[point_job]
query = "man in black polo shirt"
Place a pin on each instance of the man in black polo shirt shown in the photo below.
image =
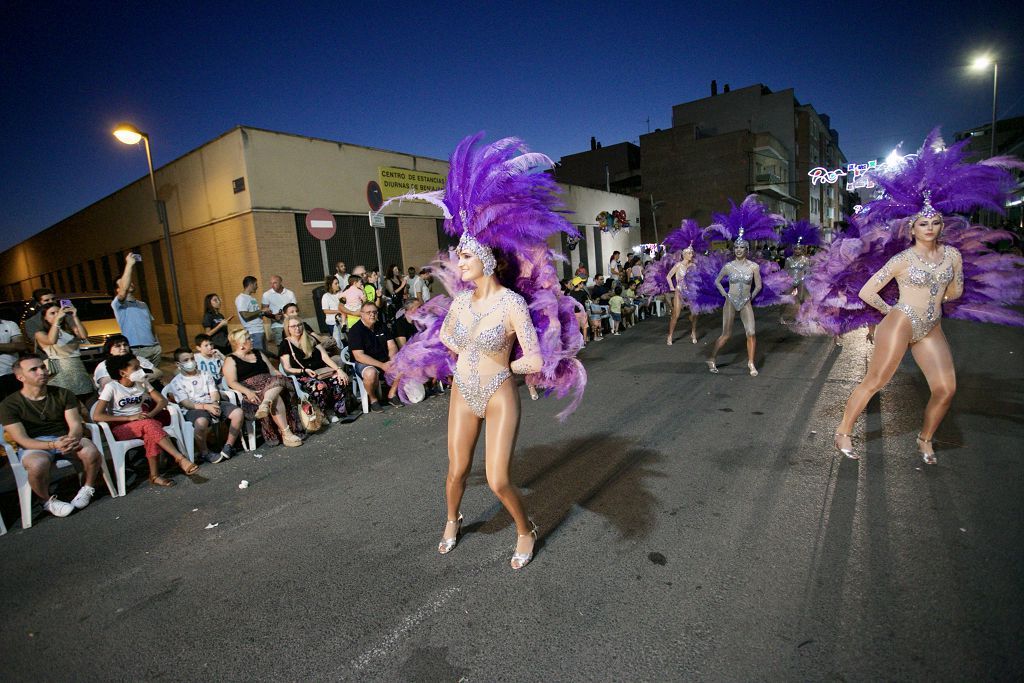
(45, 423)
(372, 350)
(600, 292)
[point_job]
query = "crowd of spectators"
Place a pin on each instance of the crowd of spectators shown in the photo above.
(232, 374)
(608, 305)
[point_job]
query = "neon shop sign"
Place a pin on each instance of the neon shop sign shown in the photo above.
(856, 174)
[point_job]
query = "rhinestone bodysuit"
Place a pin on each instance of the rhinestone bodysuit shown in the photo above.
(923, 287)
(797, 267)
(483, 342)
(739, 284)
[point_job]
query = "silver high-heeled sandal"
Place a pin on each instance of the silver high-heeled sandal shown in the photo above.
(848, 452)
(753, 370)
(520, 560)
(928, 458)
(446, 544)
(712, 367)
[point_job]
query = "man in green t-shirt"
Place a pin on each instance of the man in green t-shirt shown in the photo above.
(45, 423)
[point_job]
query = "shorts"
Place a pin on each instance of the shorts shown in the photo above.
(617, 317)
(226, 407)
(54, 453)
(362, 366)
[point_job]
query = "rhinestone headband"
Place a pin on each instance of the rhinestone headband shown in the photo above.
(740, 242)
(927, 211)
(468, 243)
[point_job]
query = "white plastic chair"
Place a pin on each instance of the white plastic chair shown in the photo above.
(21, 476)
(249, 431)
(118, 453)
(358, 389)
(186, 430)
(303, 396)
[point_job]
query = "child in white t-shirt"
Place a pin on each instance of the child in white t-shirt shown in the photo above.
(196, 392)
(208, 358)
(120, 405)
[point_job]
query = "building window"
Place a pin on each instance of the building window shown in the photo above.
(353, 243)
(81, 276)
(108, 276)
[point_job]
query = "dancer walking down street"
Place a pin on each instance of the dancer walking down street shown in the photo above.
(918, 201)
(508, 316)
(688, 238)
(748, 221)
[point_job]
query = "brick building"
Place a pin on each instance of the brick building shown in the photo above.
(237, 206)
(726, 146)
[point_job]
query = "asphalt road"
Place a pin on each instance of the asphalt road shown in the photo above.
(694, 527)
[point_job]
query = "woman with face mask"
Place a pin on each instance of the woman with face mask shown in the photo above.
(121, 405)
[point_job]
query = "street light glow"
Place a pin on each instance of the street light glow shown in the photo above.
(981, 63)
(128, 134)
(894, 159)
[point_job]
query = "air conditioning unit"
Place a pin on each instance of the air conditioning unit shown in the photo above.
(768, 179)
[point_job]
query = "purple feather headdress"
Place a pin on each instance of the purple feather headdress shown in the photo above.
(687, 236)
(937, 181)
(801, 233)
(748, 221)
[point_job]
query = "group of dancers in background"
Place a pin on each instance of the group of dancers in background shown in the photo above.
(508, 315)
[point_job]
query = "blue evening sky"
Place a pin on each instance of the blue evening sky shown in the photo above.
(417, 77)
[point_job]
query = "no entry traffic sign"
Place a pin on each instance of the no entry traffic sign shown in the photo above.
(321, 224)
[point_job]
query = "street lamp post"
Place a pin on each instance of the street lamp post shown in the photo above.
(654, 216)
(980, 64)
(130, 135)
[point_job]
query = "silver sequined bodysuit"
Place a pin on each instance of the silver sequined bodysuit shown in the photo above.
(483, 342)
(740, 280)
(923, 287)
(797, 267)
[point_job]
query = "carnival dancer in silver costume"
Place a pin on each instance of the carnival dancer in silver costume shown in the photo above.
(799, 237)
(744, 284)
(921, 197)
(508, 316)
(928, 273)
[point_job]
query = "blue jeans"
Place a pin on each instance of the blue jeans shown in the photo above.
(259, 341)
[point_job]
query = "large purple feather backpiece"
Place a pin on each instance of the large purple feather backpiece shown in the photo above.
(688, 234)
(655, 276)
(751, 215)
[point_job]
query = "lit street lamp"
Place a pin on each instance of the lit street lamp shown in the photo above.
(130, 135)
(980, 64)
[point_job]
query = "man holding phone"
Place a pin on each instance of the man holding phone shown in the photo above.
(133, 316)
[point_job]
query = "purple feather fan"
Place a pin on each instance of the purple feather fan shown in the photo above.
(688, 234)
(699, 284)
(750, 217)
(993, 282)
(776, 285)
(655, 276)
(833, 305)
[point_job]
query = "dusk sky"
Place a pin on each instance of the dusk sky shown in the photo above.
(418, 77)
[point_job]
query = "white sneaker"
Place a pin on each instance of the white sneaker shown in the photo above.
(58, 508)
(84, 496)
(335, 419)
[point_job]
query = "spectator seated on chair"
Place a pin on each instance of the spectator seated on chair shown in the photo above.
(372, 350)
(325, 340)
(317, 374)
(46, 424)
(12, 343)
(117, 345)
(196, 392)
(208, 357)
(120, 405)
(267, 395)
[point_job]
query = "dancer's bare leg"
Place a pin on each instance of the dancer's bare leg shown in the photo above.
(933, 356)
(892, 338)
(728, 315)
(500, 440)
(463, 430)
(693, 327)
(677, 306)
